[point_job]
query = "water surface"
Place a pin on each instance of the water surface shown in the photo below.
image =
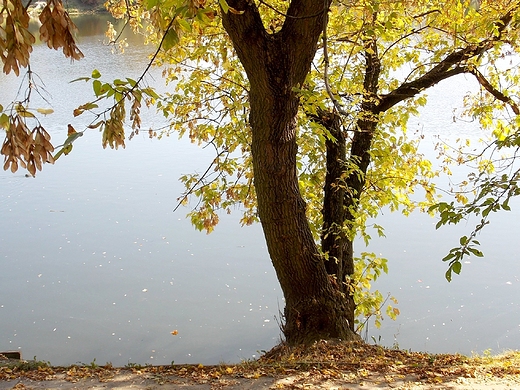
(95, 265)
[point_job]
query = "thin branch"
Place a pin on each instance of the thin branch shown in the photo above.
(493, 91)
(414, 31)
(201, 179)
(114, 41)
(141, 77)
(326, 68)
(426, 13)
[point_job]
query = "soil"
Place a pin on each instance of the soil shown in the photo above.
(324, 365)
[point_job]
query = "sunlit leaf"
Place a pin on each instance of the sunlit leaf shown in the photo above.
(224, 5)
(64, 150)
(4, 121)
(45, 111)
(81, 79)
(22, 111)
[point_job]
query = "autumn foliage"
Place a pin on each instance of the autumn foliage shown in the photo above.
(24, 146)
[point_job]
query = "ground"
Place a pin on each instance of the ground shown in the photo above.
(325, 365)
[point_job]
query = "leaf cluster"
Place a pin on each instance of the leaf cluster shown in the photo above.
(111, 120)
(23, 146)
(493, 195)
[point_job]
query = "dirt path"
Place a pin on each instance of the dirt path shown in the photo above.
(128, 380)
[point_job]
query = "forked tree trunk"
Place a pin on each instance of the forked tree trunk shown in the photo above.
(315, 308)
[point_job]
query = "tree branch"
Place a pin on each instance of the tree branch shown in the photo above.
(408, 90)
(493, 91)
(247, 33)
(335, 102)
(452, 64)
(295, 44)
(300, 33)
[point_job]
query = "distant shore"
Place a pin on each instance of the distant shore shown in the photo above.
(72, 7)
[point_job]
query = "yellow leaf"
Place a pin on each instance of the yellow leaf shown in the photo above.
(23, 112)
(45, 111)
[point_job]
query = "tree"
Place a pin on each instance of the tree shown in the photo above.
(299, 99)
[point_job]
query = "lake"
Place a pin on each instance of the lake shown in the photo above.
(94, 264)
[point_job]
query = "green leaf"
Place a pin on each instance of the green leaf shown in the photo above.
(96, 74)
(486, 211)
(65, 150)
(96, 85)
(224, 5)
(170, 39)
(184, 24)
(448, 275)
(149, 4)
(476, 252)
(107, 88)
(150, 92)
(22, 111)
(4, 121)
(449, 256)
(456, 267)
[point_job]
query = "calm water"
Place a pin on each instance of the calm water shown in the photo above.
(95, 265)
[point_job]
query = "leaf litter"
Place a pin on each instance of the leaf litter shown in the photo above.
(300, 367)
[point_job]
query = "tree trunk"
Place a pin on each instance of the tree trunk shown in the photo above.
(315, 308)
(335, 242)
(342, 191)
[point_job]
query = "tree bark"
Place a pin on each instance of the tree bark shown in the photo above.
(335, 242)
(345, 180)
(315, 308)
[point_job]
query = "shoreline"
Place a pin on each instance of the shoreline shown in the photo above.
(324, 365)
